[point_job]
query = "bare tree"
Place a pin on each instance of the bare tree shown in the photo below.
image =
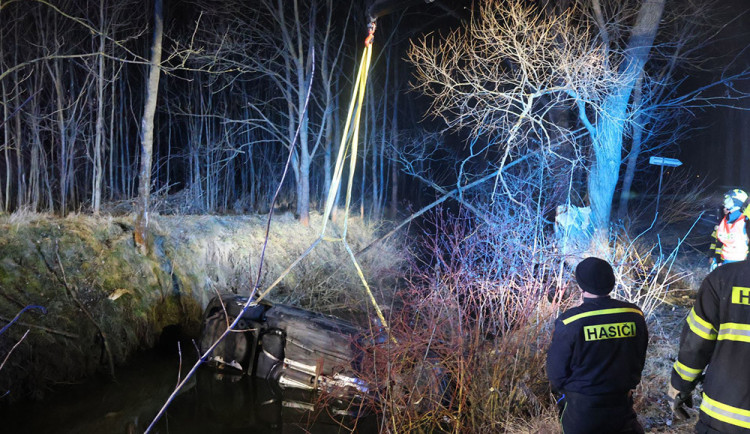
(658, 109)
(231, 108)
(271, 48)
(53, 71)
(607, 133)
(98, 175)
(513, 64)
(147, 129)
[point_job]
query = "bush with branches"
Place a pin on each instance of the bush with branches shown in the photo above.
(473, 322)
(469, 328)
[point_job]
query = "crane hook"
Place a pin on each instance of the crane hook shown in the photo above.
(370, 32)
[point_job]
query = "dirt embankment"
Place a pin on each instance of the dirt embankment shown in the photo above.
(104, 300)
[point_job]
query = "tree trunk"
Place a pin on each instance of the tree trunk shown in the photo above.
(6, 150)
(394, 146)
(327, 149)
(63, 161)
(147, 130)
(37, 152)
(303, 202)
(338, 133)
(96, 196)
(303, 190)
(332, 106)
(374, 166)
(111, 153)
(383, 142)
(609, 130)
(635, 151)
(303, 81)
(20, 175)
(122, 142)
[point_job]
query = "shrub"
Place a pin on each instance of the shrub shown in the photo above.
(470, 328)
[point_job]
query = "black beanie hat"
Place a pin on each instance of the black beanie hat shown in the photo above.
(595, 276)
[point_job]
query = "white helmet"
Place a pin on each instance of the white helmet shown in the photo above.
(734, 199)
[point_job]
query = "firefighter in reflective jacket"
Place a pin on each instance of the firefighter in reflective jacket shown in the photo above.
(730, 236)
(717, 335)
(596, 356)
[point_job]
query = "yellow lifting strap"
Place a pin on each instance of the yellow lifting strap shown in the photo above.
(352, 120)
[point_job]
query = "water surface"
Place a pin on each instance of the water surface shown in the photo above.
(211, 403)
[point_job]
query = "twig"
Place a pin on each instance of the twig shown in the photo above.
(17, 109)
(18, 315)
(72, 293)
(88, 314)
(46, 329)
(179, 368)
(14, 347)
(442, 199)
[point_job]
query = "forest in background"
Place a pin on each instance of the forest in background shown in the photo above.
(243, 84)
(231, 97)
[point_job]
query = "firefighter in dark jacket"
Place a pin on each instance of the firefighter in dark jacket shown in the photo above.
(596, 356)
(716, 338)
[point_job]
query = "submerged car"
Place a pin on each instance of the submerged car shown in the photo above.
(291, 347)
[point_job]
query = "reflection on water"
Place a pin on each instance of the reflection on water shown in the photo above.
(209, 404)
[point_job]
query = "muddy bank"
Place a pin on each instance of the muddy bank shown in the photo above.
(104, 300)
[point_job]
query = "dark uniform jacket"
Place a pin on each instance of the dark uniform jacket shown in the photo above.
(718, 332)
(598, 348)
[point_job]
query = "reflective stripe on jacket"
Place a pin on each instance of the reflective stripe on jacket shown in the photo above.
(716, 337)
(598, 348)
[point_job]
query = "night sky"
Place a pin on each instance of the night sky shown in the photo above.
(719, 149)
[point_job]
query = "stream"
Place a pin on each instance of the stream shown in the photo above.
(210, 403)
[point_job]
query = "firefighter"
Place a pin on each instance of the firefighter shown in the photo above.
(730, 236)
(596, 356)
(717, 335)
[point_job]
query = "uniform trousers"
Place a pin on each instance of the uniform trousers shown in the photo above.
(597, 414)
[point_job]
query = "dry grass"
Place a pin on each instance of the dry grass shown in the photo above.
(547, 422)
(224, 254)
(645, 275)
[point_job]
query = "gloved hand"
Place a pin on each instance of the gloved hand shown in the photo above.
(678, 401)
